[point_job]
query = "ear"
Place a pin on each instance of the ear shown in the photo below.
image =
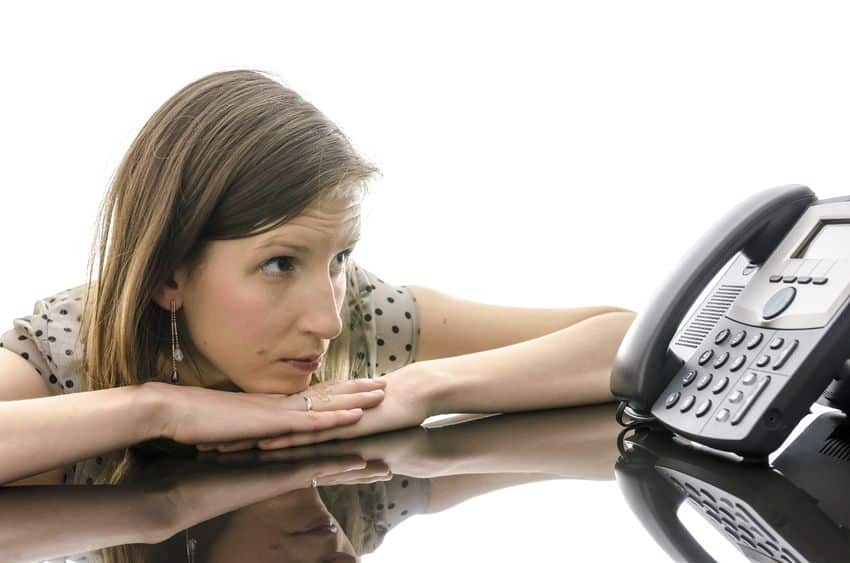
(173, 288)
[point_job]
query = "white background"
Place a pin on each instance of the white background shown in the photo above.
(533, 154)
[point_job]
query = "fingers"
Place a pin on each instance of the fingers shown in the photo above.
(298, 439)
(364, 400)
(357, 385)
(236, 446)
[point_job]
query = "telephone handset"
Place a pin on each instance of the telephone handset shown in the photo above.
(795, 511)
(764, 343)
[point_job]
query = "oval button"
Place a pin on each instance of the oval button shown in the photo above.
(779, 302)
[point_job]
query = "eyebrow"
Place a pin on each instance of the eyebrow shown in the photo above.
(282, 240)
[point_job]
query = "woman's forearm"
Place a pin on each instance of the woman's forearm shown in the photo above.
(48, 432)
(568, 367)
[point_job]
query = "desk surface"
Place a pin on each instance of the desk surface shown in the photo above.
(543, 486)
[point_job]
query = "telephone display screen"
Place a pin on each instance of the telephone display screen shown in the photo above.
(832, 240)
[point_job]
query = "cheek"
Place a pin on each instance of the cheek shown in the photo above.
(235, 323)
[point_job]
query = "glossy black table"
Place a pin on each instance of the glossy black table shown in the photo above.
(556, 485)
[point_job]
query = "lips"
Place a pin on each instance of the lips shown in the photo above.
(322, 523)
(310, 358)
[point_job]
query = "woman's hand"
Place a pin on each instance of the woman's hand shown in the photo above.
(196, 415)
(407, 402)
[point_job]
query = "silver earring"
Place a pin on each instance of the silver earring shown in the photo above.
(176, 353)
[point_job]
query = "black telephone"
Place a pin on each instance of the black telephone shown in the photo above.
(767, 340)
(797, 510)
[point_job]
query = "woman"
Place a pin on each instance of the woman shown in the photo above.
(223, 256)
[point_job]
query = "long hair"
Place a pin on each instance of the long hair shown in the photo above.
(232, 154)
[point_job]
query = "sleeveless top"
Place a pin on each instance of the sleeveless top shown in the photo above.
(48, 340)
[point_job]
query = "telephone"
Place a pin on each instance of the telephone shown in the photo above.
(795, 511)
(766, 341)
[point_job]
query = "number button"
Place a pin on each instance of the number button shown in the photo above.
(722, 336)
(704, 381)
(687, 403)
(689, 377)
(721, 359)
(763, 361)
(703, 407)
(705, 356)
(720, 385)
(738, 363)
(777, 343)
(755, 341)
(738, 338)
(672, 399)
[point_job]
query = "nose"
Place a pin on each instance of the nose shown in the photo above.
(320, 307)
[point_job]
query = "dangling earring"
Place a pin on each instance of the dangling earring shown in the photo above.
(176, 353)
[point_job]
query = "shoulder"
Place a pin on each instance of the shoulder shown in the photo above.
(391, 319)
(48, 338)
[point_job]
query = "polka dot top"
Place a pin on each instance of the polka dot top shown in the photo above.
(48, 339)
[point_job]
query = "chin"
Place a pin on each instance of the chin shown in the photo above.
(278, 385)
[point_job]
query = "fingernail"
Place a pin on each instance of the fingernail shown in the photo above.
(356, 411)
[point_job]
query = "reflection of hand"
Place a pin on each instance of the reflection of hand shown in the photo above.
(573, 442)
(165, 497)
(195, 492)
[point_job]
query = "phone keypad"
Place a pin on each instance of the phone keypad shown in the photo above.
(737, 368)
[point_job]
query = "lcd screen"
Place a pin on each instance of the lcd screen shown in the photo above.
(832, 241)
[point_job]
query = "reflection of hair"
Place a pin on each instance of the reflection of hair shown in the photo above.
(344, 502)
(230, 155)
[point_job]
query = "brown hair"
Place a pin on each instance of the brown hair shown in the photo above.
(232, 154)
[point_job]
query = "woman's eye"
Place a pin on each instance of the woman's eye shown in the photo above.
(285, 262)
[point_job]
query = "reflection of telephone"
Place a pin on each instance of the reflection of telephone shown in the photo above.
(767, 339)
(799, 513)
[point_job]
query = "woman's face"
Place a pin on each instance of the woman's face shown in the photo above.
(258, 300)
(268, 531)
